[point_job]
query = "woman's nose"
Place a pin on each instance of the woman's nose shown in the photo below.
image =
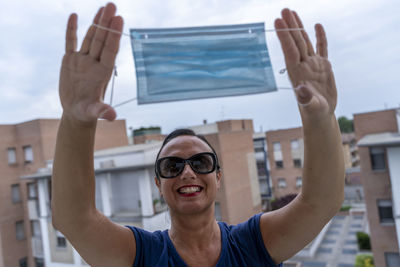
(187, 172)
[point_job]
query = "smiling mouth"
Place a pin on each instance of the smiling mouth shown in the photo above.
(189, 189)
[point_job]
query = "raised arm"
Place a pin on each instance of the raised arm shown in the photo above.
(287, 230)
(83, 79)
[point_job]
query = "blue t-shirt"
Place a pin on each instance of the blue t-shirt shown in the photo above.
(242, 245)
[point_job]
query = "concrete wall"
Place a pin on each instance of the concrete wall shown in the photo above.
(394, 169)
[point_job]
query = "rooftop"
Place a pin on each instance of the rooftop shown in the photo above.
(380, 139)
(127, 149)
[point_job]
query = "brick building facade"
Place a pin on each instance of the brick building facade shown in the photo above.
(25, 149)
(286, 156)
(378, 139)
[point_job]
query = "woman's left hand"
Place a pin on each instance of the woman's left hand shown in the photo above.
(310, 72)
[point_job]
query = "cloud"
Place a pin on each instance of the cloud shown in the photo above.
(363, 46)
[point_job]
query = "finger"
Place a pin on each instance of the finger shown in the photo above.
(288, 44)
(310, 48)
(111, 46)
(102, 110)
(70, 36)
(100, 35)
(90, 33)
(290, 20)
(322, 43)
(109, 115)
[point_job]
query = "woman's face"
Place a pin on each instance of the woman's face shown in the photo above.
(189, 192)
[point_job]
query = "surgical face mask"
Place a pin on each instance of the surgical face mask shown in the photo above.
(201, 62)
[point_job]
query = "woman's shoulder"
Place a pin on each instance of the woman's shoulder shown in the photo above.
(152, 248)
(243, 243)
(252, 224)
(144, 235)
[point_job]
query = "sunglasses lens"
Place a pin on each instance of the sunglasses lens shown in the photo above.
(171, 167)
(203, 163)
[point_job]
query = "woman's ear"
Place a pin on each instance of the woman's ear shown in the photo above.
(219, 176)
(158, 184)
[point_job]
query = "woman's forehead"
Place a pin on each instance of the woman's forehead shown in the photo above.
(185, 146)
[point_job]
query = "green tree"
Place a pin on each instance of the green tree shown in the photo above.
(363, 241)
(364, 260)
(346, 125)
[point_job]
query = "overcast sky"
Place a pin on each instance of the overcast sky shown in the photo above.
(364, 48)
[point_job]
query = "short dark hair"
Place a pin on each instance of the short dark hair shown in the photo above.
(182, 132)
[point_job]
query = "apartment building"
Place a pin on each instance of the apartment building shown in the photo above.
(378, 139)
(25, 149)
(239, 196)
(350, 150)
(126, 193)
(147, 135)
(286, 157)
(263, 167)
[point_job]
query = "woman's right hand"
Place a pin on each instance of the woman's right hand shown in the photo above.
(86, 73)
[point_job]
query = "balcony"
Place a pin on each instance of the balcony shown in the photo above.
(33, 209)
(37, 247)
(260, 156)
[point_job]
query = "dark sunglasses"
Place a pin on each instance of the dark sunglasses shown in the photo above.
(202, 163)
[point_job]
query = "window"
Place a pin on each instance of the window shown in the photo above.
(61, 241)
(294, 144)
(279, 164)
(19, 230)
(392, 259)
(281, 182)
(49, 189)
(39, 262)
(15, 193)
(261, 168)
(299, 182)
(12, 155)
(32, 191)
(23, 262)
(35, 225)
(378, 161)
(259, 149)
(217, 211)
(297, 163)
(277, 146)
(385, 211)
(28, 154)
(258, 143)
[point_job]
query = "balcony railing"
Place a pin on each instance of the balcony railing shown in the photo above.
(33, 209)
(37, 247)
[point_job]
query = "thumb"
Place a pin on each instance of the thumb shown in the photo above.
(103, 111)
(304, 95)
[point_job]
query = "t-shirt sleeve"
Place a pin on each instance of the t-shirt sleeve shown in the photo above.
(248, 235)
(149, 247)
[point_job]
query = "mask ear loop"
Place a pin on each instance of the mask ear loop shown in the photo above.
(282, 71)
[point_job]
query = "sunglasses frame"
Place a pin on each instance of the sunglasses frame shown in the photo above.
(187, 161)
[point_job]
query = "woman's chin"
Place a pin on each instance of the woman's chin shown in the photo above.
(192, 209)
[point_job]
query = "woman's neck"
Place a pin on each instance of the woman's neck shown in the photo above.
(194, 231)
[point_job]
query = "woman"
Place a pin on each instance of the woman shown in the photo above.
(188, 175)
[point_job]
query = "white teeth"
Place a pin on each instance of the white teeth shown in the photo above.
(189, 190)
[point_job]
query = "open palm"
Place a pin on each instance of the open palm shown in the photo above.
(310, 72)
(85, 73)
